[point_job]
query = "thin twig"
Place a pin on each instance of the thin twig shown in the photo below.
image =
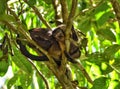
(13, 13)
(40, 74)
(84, 72)
(39, 15)
(91, 2)
(90, 9)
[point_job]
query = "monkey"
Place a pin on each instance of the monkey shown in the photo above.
(58, 34)
(45, 39)
(52, 41)
(42, 37)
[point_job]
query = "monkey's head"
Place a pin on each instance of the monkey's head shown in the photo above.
(58, 34)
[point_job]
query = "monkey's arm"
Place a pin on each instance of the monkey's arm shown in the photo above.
(25, 52)
(69, 58)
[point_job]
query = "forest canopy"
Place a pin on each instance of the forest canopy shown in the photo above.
(92, 27)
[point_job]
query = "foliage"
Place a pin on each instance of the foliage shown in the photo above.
(97, 19)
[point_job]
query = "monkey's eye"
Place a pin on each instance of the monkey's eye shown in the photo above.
(59, 36)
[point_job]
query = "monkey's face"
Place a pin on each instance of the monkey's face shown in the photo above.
(58, 34)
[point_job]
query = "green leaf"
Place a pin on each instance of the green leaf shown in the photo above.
(95, 58)
(25, 80)
(118, 86)
(48, 1)
(3, 67)
(106, 34)
(21, 61)
(12, 81)
(116, 65)
(22, 78)
(7, 18)
(3, 4)
(20, 87)
(106, 70)
(40, 82)
(105, 17)
(31, 2)
(111, 50)
(103, 7)
(100, 83)
(85, 25)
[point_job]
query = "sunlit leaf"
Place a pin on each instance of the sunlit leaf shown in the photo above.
(106, 34)
(12, 81)
(100, 83)
(7, 18)
(21, 61)
(111, 50)
(95, 58)
(3, 67)
(116, 65)
(85, 25)
(118, 86)
(25, 80)
(41, 83)
(105, 17)
(103, 7)
(106, 70)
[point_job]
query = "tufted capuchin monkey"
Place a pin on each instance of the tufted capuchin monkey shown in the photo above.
(52, 41)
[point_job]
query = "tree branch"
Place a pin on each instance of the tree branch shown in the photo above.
(57, 11)
(90, 9)
(68, 30)
(64, 10)
(13, 13)
(39, 15)
(116, 7)
(70, 23)
(84, 72)
(40, 74)
(62, 78)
